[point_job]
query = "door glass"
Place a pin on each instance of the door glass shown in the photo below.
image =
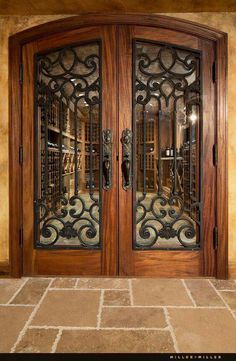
(67, 147)
(167, 142)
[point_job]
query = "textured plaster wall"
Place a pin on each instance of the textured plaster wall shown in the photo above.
(12, 24)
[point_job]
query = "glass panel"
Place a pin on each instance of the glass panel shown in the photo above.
(67, 147)
(167, 119)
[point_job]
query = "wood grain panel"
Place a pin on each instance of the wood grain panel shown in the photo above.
(209, 171)
(126, 265)
(168, 264)
(167, 36)
(109, 121)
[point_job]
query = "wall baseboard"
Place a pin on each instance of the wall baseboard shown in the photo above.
(232, 270)
(4, 269)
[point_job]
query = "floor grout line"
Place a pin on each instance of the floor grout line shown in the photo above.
(167, 306)
(171, 330)
(86, 289)
(18, 291)
(95, 328)
(131, 293)
(56, 341)
(227, 290)
(99, 315)
(189, 292)
(222, 298)
(76, 283)
(17, 305)
(31, 317)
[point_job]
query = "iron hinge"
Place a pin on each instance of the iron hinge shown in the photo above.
(214, 72)
(21, 74)
(21, 154)
(215, 154)
(21, 237)
(215, 238)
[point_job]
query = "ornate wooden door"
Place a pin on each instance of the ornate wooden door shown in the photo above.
(167, 192)
(119, 133)
(69, 173)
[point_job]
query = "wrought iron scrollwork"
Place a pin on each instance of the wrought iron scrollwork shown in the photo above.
(126, 165)
(167, 83)
(67, 81)
(107, 158)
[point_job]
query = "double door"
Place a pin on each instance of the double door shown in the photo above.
(118, 132)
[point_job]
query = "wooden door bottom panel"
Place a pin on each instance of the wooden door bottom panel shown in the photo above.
(167, 263)
(69, 262)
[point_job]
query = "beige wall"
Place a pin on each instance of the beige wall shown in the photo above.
(10, 25)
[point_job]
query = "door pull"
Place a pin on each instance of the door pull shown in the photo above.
(126, 165)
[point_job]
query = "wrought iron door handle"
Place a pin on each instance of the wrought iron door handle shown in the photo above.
(126, 173)
(107, 173)
(126, 165)
(107, 158)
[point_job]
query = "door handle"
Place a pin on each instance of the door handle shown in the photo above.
(107, 158)
(126, 165)
(107, 173)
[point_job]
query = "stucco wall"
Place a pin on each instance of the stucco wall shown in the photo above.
(10, 25)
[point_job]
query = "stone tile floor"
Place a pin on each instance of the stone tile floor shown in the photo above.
(117, 315)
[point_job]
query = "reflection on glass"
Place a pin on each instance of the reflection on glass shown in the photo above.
(67, 151)
(167, 147)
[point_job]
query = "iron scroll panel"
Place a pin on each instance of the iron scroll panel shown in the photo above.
(67, 166)
(167, 120)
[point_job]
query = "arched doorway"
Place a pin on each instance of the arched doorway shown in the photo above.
(122, 117)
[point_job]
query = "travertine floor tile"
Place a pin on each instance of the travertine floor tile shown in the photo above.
(204, 330)
(12, 320)
(68, 308)
(116, 298)
(8, 287)
(165, 292)
(230, 299)
(35, 341)
(203, 293)
(115, 341)
(32, 291)
(133, 317)
(224, 284)
(64, 282)
(103, 283)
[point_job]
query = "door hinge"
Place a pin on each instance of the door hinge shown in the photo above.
(21, 237)
(21, 154)
(21, 73)
(215, 154)
(214, 72)
(215, 238)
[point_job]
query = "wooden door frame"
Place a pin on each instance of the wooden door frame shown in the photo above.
(16, 43)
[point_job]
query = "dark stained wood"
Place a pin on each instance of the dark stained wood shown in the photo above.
(151, 20)
(71, 263)
(167, 264)
(109, 121)
(141, 19)
(126, 266)
(209, 171)
(222, 166)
